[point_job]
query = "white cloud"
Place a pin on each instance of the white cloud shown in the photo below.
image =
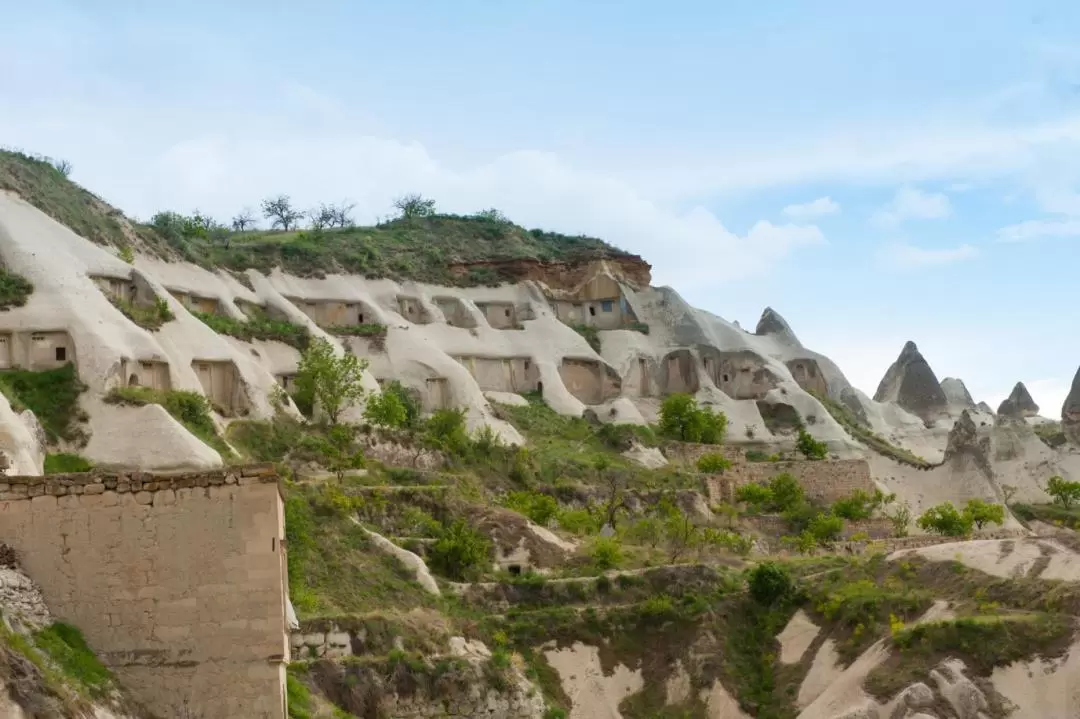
(1033, 229)
(817, 208)
(907, 257)
(912, 203)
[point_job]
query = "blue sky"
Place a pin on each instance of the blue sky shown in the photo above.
(876, 174)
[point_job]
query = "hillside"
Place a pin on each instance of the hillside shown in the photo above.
(518, 481)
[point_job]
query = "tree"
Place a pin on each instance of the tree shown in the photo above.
(244, 220)
(786, 492)
(1064, 492)
(386, 410)
(771, 583)
(329, 381)
(810, 447)
(492, 215)
(342, 214)
(414, 205)
(682, 419)
(460, 552)
(900, 519)
(1008, 491)
(62, 166)
(321, 217)
(713, 463)
(982, 513)
(605, 553)
(681, 535)
(338, 451)
(445, 431)
(753, 494)
(826, 528)
(946, 520)
(281, 213)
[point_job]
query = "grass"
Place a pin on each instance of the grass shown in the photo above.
(1050, 433)
(258, 327)
(864, 434)
(365, 330)
(65, 646)
(333, 569)
(53, 397)
(981, 642)
(150, 317)
(188, 408)
(591, 335)
(66, 463)
(297, 697)
(14, 290)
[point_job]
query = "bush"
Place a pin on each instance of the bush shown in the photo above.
(258, 327)
(771, 583)
(713, 463)
(946, 520)
(786, 492)
(149, 317)
(810, 447)
(66, 463)
(1064, 492)
(605, 553)
(826, 528)
(332, 382)
(682, 419)
(445, 430)
(53, 397)
(14, 290)
(591, 335)
(755, 495)
(460, 552)
(538, 507)
(860, 504)
(386, 410)
(982, 513)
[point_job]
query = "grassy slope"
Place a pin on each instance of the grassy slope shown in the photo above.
(418, 249)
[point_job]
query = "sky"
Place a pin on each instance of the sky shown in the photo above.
(875, 172)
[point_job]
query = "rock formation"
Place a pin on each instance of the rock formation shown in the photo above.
(771, 323)
(910, 383)
(1070, 412)
(984, 407)
(1018, 404)
(957, 394)
(964, 441)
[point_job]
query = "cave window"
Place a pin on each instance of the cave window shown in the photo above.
(726, 378)
(527, 364)
(592, 310)
(540, 387)
(360, 318)
(506, 312)
(606, 305)
(514, 569)
(133, 380)
(61, 354)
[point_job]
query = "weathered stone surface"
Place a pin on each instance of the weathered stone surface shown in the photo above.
(1019, 403)
(956, 393)
(1070, 412)
(984, 407)
(910, 383)
(771, 323)
(965, 444)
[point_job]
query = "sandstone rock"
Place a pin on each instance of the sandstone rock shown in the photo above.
(771, 323)
(957, 394)
(910, 383)
(964, 442)
(1018, 404)
(984, 407)
(1070, 412)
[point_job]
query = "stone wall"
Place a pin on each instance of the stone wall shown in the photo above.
(775, 526)
(824, 480)
(177, 582)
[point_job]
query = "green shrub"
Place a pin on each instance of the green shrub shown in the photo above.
(408, 399)
(1064, 492)
(258, 327)
(786, 492)
(14, 290)
(460, 552)
(810, 447)
(578, 521)
(64, 644)
(53, 397)
(538, 507)
(445, 430)
(591, 335)
(386, 410)
(771, 583)
(982, 513)
(713, 463)
(755, 495)
(861, 504)
(681, 418)
(150, 317)
(605, 553)
(66, 463)
(946, 520)
(332, 381)
(826, 528)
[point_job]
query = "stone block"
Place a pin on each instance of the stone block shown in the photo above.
(94, 489)
(144, 498)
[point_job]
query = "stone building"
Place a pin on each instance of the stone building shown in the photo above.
(500, 315)
(502, 374)
(36, 350)
(336, 313)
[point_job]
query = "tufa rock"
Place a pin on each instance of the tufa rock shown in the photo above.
(1070, 412)
(910, 383)
(957, 394)
(771, 323)
(1018, 404)
(984, 407)
(964, 442)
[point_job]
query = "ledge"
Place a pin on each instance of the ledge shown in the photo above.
(99, 482)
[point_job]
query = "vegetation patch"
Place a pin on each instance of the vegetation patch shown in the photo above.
(1051, 434)
(65, 646)
(258, 327)
(150, 317)
(188, 408)
(591, 335)
(66, 463)
(982, 643)
(53, 397)
(864, 434)
(14, 289)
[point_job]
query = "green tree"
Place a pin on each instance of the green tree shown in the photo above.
(1064, 492)
(946, 520)
(900, 517)
(386, 410)
(338, 450)
(713, 463)
(861, 504)
(605, 553)
(771, 583)
(329, 381)
(786, 492)
(682, 419)
(826, 528)
(414, 205)
(982, 513)
(460, 552)
(810, 447)
(540, 508)
(445, 430)
(756, 496)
